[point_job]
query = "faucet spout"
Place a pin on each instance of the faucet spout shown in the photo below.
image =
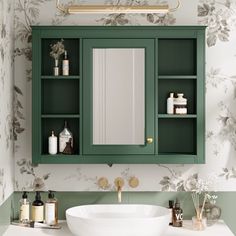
(119, 190)
(119, 183)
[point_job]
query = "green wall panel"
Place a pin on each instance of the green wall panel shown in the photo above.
(6, 214)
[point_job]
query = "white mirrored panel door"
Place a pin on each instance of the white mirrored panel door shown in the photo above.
(119, 96)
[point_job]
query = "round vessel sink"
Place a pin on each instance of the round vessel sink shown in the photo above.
(118, 220)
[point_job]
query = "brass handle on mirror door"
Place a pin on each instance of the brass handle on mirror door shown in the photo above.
(149, 140)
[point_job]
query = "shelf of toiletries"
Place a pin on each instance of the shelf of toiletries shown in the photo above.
(60, 98)
(60, 136)
(183, 90)
(38, 212)
(60, 57)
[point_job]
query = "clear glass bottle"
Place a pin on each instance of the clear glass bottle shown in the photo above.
(51, 209)
(65, 64)
(24, 208)
(171, 206)
(64, 137)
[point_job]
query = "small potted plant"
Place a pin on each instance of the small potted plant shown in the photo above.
(57, 50)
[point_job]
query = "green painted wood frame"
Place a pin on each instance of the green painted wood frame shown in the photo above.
(88, 146)
(127, 32)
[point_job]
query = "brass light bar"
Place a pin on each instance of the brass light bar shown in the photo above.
(108, 9)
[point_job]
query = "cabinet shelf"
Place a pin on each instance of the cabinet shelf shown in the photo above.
(60, 116)
(168, 116)
(60, 77)
(177, 77)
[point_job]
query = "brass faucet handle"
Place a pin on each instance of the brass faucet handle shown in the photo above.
(119, 182)
(103, 183)
(133, 182)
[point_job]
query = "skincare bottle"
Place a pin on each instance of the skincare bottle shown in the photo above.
(180, 104)
(171, 205)
(177, 215)
(65, 64)
(170, 104)
(37, 214)
(52, 144)
(64, 137)
(51, 209)
(24, 208)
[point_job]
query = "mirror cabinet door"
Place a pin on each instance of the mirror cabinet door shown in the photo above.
(118, 96)
(118, 79)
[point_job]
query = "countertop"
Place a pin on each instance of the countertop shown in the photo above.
(218, 229)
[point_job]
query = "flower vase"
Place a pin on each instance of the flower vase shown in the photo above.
(56, 68)
(199, 223)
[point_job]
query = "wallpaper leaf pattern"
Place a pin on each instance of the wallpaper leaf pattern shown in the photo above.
(219, 16)
(6, 107)
(38, 183)
(125, 19)
(18, 115)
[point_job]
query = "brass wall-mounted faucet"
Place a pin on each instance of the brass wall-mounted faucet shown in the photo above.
(119, 183)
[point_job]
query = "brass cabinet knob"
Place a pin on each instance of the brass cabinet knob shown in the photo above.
(149, 140)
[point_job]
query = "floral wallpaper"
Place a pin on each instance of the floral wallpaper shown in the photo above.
(6, 98)
(219, 16)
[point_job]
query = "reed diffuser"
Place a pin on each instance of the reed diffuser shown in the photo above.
(199, 191)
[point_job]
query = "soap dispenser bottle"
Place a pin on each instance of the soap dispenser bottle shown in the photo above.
(177, 215)
(170, 104)
(51, 209)
(171, 205)
(38, 209)
(24, 208)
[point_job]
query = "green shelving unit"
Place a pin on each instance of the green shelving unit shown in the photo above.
(176, 62)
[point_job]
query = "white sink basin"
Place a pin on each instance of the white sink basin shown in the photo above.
(117, 220)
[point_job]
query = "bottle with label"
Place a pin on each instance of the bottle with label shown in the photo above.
(64, 137)
(171, 205)
(170, 104)
(24, 209)
(180, 104)
(37, 214)
(177, 215)
(51, 209)
(65, 64)
(52, 144)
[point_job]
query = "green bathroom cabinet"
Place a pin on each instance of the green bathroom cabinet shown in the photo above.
(174, 62)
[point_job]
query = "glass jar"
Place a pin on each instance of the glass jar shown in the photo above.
(180, 104)
(199, 224)
(212, 213)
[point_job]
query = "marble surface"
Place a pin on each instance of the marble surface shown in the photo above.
(218, 229)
